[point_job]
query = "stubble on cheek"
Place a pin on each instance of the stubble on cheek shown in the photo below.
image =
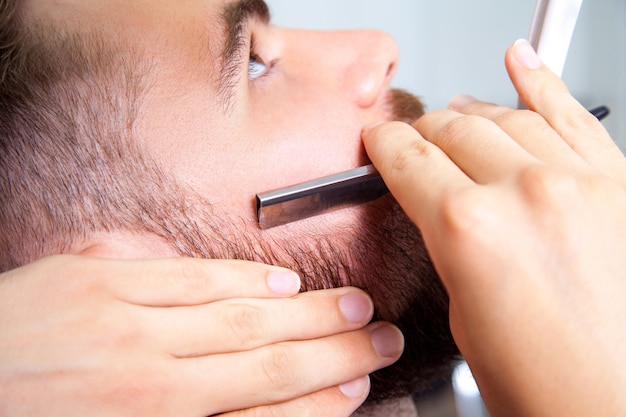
(404, 106)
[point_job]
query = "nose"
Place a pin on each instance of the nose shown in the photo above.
(371, 63)
(359, 62)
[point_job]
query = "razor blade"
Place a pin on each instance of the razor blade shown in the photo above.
(323, 195)
(327, 194)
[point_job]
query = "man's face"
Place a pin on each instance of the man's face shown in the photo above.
(282, 106)
(235, 106)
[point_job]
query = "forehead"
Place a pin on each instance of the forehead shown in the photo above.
(185, 41)
(139, 11)
(154, 20)
(101, 14)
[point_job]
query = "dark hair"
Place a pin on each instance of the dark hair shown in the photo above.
(68, 104)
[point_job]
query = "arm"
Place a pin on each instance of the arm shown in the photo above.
(523, 213)
(179, 337)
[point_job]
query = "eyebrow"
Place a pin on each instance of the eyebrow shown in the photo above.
(235, 17)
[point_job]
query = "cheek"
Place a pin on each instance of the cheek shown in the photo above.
(283, 136)
(303, 134)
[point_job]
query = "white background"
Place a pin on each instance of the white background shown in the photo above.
(449, 47)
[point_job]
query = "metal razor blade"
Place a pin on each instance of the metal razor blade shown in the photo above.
(323, 195)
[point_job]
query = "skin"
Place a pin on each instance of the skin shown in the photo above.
(221, 146)
(192, 137)
(451, 234)
(155, 352)
(468, 205)
(523, 213)
(328, 93)
(222, 141)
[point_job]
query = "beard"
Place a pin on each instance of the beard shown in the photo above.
(381, 252)
(115, 186)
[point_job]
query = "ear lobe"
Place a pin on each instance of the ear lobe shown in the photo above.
(123, 245)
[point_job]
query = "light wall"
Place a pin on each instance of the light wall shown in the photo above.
(457, 46)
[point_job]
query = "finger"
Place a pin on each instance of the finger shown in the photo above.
(542, 91)
(186, 281)
(282, 372)
(527, 128)
(337, 401)
(244, 324)
(477, 145)
(417, 173)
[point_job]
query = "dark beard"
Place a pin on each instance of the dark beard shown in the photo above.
(382, 253)
(385, 256)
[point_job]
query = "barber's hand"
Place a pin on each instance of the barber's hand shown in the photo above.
(524, 215)
(182, 337)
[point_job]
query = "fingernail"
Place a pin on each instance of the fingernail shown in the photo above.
(460, 101)
(526, 55)
(283, 282)
(356, 307)
(387, 339)
(357, 388)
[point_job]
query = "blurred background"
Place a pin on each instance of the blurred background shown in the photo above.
(448, 47)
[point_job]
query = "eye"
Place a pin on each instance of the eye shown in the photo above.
(256, 67)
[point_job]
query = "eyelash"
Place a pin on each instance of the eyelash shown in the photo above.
(254, 73)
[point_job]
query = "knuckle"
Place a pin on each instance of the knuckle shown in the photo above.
(185, 268)
(586, 124)
(429, 118)
(405, 160)
(599, 185)
(247, 325)
(189, 274)
(115, 333)
(527, 128)
(411, 147)
(464, 210)
(513, 118)
(545, 186)
(138, 393)
(457, 128)
(278, 370)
